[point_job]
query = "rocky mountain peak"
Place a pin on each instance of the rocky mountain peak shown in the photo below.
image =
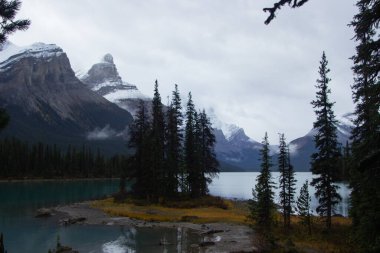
(104, 79)
(102, 74)
(11, 53)
(108, 58)
(46, 101)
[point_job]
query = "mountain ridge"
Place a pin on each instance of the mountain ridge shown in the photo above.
(46, 101)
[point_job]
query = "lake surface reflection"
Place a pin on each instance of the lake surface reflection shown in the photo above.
(239, 185)
(24, 233)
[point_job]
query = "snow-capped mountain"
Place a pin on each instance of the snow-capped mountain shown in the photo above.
(46, 102)
(104, 79)
(235, 148)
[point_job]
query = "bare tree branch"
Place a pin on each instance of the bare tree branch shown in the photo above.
(279, 4)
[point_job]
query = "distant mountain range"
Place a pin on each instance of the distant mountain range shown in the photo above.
(48, 103)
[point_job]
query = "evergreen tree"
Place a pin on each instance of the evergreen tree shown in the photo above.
(365, 176)
(2, 250)
(8, 11)
(303, 206)
(262, 206)
(291, 188)
(325, 161)
(157, 144)
(287, 181)
(139, 133)
(4, 118)
(174, 141)
(190, 150)
(283, 169)
(206, 142)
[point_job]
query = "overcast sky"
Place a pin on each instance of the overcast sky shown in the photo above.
(258, 77)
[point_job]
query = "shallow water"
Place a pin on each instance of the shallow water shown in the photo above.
(24, 233)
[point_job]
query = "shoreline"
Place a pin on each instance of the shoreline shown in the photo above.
(18, 180)
(219, 236)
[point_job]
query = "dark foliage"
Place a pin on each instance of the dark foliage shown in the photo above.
(303, 206)
(166, 163)
(287, 181)
(262, 206)
(4, 118)
(2, 249)
(189, 145)
(157, 140)
(174, 149)
(325, 161)
(365, 173)
(8, 11)
(139, 140)
(277, 6)
(21, 160)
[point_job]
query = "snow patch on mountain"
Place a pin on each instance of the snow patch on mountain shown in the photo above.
(229, 130)
(129, 92)
(10, 52)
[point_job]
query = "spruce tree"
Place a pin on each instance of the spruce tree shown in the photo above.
(303, 206)
(4, 118)
(157, 144)
(262, 206)
(206, 142)
(190, 150)
(139, 140)
(174, 141)
(365, 176)
(8, 11)
(2, 250)
(283, 169)
(291, 188)
(287, 181)
(326, 159)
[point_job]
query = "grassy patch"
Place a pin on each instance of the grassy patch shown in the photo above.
(213, 209)
(204, 210)
(335, 241)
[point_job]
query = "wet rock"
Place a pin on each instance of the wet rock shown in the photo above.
(212, 231)
(71, 221)
(44, 212)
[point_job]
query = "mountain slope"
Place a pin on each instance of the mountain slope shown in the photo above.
(104, 79)
(46, 102)
(237, 149)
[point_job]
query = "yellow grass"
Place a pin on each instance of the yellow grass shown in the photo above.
(235, 213)
(338, 240)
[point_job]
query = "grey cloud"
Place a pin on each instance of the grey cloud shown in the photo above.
(101, 133)
(256, 76)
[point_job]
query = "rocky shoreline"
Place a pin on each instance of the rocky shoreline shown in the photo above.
(215, 237)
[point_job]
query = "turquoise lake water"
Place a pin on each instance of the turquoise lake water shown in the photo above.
(24, 233)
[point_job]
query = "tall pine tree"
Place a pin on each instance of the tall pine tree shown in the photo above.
(206, 142)
(139, 140)
(262, 207)
(287, 181)
(365, 176)
(158, 143)
(174, 136)
(326, 159)
(190, 153)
